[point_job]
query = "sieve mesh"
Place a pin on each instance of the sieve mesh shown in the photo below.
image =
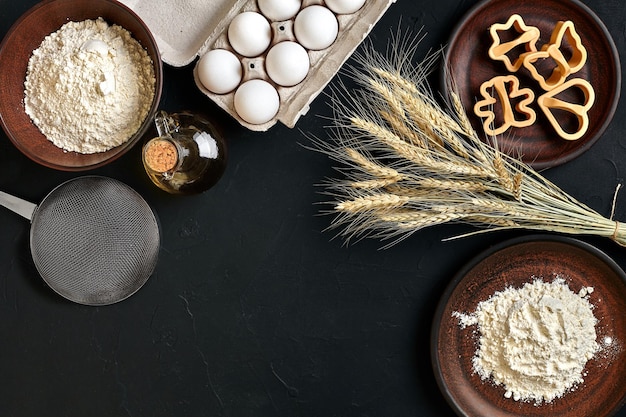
(94, 240)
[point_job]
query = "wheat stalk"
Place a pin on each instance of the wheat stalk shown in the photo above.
(410, 162)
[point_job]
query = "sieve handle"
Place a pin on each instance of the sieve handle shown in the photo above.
(24, 208)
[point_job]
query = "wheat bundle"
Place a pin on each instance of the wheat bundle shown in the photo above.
(409, 162)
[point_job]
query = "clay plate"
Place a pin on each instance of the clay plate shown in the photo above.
(514, 263)
(538, 145)
(23, 37)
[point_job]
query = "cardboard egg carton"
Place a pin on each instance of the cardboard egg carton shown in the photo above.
(187, 29)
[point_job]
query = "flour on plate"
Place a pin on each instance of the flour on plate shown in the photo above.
(534, 341)
(89, 86)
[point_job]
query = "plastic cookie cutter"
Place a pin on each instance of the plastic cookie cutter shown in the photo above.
(528, 36)
(548, 101)
(555, 51)
(500, 90)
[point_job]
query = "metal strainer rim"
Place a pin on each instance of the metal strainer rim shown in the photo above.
(138, 281)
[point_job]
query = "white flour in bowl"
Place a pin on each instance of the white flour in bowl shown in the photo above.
(534, 341)
(89, 86)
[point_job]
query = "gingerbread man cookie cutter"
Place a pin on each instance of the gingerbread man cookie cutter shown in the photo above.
(502, 89)
(528, 36)
(554, 50)
(549, 101)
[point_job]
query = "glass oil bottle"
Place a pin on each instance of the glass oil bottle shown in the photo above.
(188, 155)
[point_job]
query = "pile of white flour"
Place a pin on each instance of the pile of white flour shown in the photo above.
(89, 86)
(535, 340)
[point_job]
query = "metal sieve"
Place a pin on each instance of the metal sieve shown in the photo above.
(93, 239)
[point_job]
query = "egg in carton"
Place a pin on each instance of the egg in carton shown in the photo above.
(262, 61)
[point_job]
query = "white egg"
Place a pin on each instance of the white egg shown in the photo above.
(256, 101)
(278, 10)
(219, 71)
(344, 6)
(287, 63)
(250, 34)
(316, 27)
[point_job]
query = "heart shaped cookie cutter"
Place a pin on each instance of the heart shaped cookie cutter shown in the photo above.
(549, 101)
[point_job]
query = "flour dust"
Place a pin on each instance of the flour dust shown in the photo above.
(535, 341)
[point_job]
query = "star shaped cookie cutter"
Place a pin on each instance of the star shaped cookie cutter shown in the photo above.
(528, 36)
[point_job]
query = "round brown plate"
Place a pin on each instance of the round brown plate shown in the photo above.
(514, 263)
(26, 35)
(469, 64)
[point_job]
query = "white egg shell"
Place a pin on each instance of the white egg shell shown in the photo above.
(256, 101)
(316, 27)
(219, 71)
(287, 63)
(344, 6)
(278, 10)
(249, 34)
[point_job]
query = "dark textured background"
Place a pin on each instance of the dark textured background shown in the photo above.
(254, 310)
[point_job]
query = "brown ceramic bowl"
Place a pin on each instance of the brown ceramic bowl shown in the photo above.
(514, 263)
(26, 35)
(539, 145)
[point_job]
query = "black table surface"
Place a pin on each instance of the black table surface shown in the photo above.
(254, 308)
